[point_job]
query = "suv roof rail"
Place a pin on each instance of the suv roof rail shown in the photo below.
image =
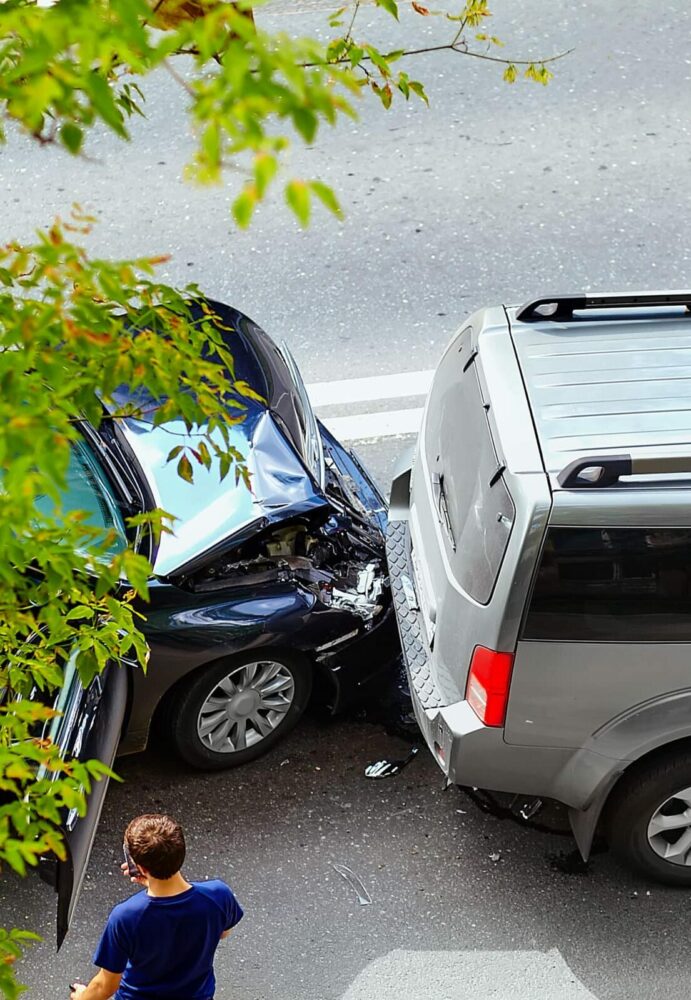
(599, 471)
(563, 306)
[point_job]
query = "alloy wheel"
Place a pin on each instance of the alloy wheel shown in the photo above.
(246, 706)
(669, 830)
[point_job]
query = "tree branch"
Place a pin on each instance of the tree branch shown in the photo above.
(482, 55)
(178, 79)
(349, 32)
(453, 47)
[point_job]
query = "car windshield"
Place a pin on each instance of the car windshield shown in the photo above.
(314, 452)
(88, 490)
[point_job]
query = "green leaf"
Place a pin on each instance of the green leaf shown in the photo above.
(510, 73)
(390, 6)
(80, 612)
(265, 167)
(243, 208)
(327, 197)
(210, 154)
(306, 123)
(137, 569)
(185, 469)
(417, 88)
(87, 667)
(383, 93)
(379, 60)
(298, 198)
(104, 103)
(355, 55)
(204, 455)
(335, 17)
(22, 935)
(336, 49)
(71, 137)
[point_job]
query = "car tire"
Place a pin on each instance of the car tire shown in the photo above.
(199, 708)
(642, 806)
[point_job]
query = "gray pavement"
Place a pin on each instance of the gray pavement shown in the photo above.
(495, 193)
(445, 920)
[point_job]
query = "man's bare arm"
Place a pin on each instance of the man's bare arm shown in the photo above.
(104, 985)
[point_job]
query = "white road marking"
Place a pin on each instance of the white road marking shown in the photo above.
(457, 975)
(372, 388)
(361, 390)
(366, 426)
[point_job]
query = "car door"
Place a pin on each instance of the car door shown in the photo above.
(89, 727)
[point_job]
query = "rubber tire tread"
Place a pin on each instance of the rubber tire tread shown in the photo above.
(184, 711)
(630, 809)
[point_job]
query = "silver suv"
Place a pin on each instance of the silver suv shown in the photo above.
(540, 553)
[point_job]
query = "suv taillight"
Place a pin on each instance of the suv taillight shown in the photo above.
(487, 690)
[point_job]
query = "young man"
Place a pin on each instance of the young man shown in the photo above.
(160, 943)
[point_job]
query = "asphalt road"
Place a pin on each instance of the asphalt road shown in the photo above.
(493, 194)
(446, 920)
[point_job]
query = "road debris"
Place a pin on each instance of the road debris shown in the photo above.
(387, 768)
(530, 808)
(355, 883)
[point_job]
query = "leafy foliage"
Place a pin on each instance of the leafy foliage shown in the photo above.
(66, 67)
(73, 329)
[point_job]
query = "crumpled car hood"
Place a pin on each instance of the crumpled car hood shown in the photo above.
(212, 514)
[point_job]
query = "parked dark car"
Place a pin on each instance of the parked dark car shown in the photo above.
(257, 598)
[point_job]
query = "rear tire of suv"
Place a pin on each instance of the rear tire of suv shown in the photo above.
(647, 820)
(236, 709)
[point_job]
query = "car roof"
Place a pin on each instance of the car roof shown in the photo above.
(605, 382)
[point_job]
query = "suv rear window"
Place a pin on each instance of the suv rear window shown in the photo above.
(474, 506)
(613, 585)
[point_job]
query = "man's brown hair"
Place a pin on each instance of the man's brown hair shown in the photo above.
(157, 843)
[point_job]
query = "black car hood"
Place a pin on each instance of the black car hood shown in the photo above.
(211, 513)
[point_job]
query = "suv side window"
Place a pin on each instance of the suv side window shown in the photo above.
(612, 585)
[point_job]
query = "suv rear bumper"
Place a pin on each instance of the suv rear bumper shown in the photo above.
(468, 752)
(433, 718)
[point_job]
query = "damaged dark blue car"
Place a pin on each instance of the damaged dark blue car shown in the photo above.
(259, 600)
(259, 596)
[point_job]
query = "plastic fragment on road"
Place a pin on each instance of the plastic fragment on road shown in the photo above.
(355, 883)
(495, 857)
(530, 808)
(387, 768)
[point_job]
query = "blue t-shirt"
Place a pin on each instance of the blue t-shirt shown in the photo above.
(165, 945)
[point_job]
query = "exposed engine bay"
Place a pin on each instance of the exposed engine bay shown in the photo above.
(340, 559)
